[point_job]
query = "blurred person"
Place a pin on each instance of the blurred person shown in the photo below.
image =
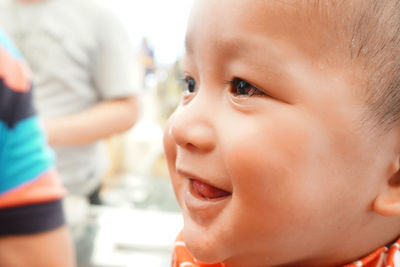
(84, 77)
(32, 225)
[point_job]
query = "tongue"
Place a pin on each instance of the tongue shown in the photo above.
(208, 191)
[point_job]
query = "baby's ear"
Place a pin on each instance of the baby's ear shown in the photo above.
(387, 203)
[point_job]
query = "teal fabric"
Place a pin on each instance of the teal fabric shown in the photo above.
(24, 155)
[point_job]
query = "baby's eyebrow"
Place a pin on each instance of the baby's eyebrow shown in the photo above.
(228, 44)
(188, 44)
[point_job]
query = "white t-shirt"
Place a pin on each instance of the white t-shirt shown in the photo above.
(80, 55)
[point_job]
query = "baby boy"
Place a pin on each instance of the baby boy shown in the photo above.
(285, 149)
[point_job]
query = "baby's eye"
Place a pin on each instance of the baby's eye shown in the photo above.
(243, 88)
(190, 84)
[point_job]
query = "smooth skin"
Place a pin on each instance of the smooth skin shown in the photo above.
(98, 122)
(311, 183)
(48, 249)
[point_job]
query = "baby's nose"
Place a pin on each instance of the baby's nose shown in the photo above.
(192, 130)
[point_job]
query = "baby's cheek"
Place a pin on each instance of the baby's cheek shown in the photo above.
(170, 155)
(270, 172)
(169, 145)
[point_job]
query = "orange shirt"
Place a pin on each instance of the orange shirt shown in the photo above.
(382, 257)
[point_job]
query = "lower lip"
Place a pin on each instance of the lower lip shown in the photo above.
(201, 206)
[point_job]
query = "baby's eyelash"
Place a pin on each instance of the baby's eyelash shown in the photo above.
(188, 83)
(240, 87)
(237, 87)
(182, 80)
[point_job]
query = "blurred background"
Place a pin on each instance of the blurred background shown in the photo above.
(138, 220)
(134, 218)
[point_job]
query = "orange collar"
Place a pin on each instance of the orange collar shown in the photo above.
(382, 257)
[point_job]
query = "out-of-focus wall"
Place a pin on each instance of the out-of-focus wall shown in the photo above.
(162, 22)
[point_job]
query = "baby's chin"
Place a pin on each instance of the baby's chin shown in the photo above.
(204, 247)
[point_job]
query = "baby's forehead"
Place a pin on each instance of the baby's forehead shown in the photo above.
(352, 28)
(316, 26)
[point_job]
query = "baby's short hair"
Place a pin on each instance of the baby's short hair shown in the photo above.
(372, 30)
(376, 38)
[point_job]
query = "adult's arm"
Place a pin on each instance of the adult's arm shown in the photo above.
(47, 249)
(100, 121)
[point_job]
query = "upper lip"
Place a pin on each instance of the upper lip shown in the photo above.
(192, 176)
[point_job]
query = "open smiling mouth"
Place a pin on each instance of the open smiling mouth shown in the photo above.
(207, 191)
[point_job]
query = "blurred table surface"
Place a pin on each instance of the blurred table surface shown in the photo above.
(125, 237)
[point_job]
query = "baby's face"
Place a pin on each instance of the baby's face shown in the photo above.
(269, 160)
